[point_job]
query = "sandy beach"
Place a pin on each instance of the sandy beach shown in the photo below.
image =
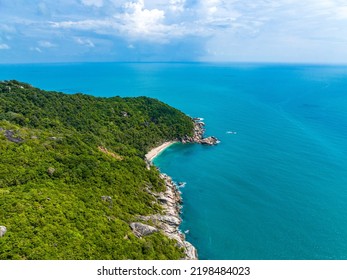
(157, 150)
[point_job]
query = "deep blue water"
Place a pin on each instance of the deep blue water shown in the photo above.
(275, 190)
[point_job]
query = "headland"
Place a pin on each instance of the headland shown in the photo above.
(171, 199)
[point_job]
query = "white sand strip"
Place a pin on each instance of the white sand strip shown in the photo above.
(157, 150)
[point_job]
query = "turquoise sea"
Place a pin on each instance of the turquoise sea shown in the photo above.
(276, 185)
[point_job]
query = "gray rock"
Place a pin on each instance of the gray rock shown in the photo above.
(198, 136)
(171, 210)
(171, 220)
(209, 141)
(165, 199)
(9, 134)
(140, 229)
(178, 238)
(50, 171)
(3, 230)
(106, 198)
(190, 250)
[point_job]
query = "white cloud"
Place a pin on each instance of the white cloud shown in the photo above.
(96, 3)
(285, 30)
(211, 6)
(138, 21)
(135, 22)
(85, 42)
(219, 25)
(36, 49)
(4, 47)
(177, 5)
(89, 24)
(341, 13)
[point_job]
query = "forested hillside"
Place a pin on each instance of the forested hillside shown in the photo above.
(62, 155)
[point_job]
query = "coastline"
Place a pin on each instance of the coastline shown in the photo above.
(152, 154)
(171, 201)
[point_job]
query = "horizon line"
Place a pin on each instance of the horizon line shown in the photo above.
(305, 63)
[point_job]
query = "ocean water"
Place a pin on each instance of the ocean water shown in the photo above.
(276, 185)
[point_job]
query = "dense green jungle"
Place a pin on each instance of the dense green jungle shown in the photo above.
(60, 154)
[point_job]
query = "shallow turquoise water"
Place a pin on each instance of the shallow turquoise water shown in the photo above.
(275, 190)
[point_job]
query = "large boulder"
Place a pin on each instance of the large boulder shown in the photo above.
(209, 141)
(140, 229)
(106, 198)
(10, 135)
(170, 220)
(3, 230)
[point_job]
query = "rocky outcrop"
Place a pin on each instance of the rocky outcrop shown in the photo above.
(54, 138)
(3, 231)
(107, 199)
(198, 135)
(170, 220)
(209, 141)
(140, 229)
(50, 171)
(190, 250)
(10, 135)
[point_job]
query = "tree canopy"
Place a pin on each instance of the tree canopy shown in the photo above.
(60, 154)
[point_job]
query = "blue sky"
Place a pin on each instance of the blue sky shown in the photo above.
(173, 30)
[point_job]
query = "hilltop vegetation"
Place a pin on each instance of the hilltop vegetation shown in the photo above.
(60, 154)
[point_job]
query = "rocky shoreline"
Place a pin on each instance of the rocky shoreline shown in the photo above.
(171, 201)
(198, 135)
(170, 221)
